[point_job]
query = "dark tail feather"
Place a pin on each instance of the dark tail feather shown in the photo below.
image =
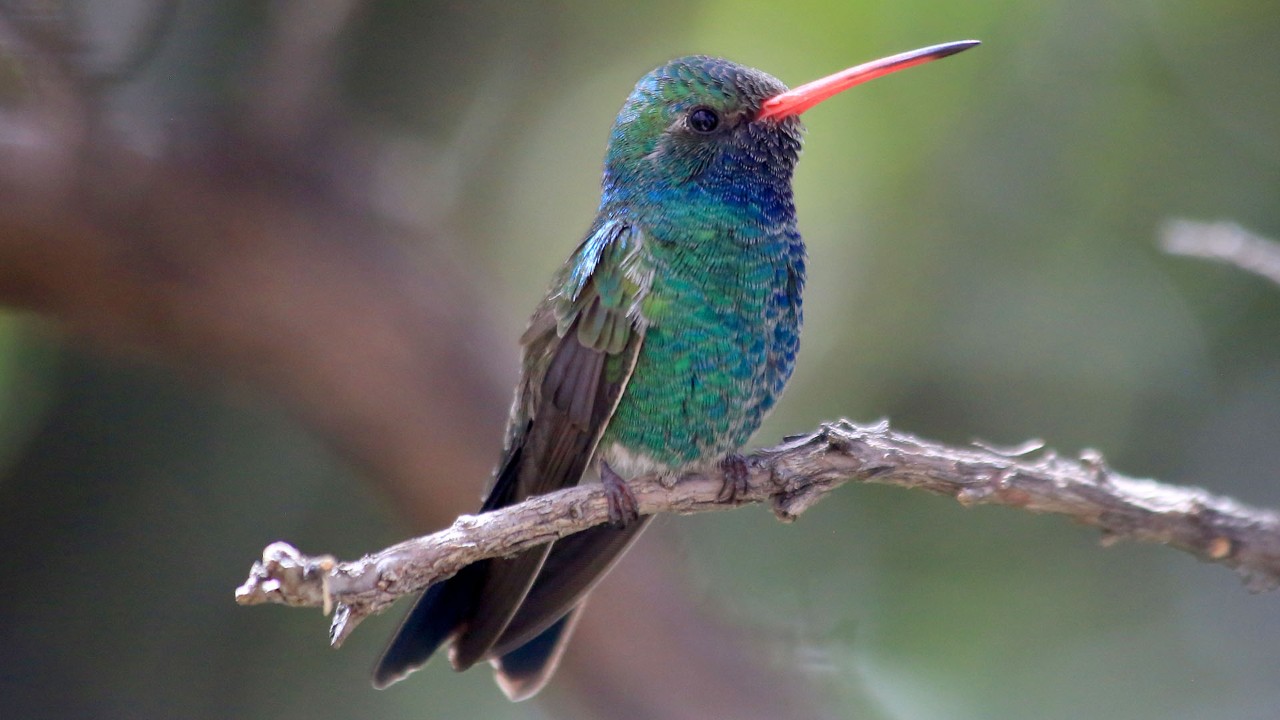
(434, 619)
(505, 584)
(574, 566)
(522, 672)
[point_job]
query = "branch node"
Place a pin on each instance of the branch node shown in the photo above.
(345, 619)
(838, 435)
(1219, 548)
(791, 504)
(467, 522)
(1094, 462)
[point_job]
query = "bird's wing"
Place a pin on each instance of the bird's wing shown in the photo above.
(577, 369)
(579, 351)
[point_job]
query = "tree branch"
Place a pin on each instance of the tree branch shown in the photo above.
(791, 477)
(1225, 242)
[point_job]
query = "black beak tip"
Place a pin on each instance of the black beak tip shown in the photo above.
(958, 46)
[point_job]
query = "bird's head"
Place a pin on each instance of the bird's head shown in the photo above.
(701, 125)
(694, 120)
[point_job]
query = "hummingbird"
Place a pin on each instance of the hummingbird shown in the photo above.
(660, 347)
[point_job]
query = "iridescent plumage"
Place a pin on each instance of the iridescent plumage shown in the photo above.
(727, 265)
(660, 347)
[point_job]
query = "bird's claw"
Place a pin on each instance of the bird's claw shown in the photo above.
(736, 474)
(623, 507)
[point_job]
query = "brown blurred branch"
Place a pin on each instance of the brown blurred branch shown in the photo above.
(248, 246)
(791, 478)
(1225, 242)
(237, 256)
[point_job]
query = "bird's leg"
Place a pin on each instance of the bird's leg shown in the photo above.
(623, 509)
(736, 473)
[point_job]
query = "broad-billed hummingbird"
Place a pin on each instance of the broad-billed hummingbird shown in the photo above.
(660, 347)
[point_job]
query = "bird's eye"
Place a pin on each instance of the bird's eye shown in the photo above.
(703, 120)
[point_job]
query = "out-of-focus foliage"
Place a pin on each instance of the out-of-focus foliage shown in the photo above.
(982, 234)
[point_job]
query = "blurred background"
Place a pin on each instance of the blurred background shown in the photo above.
(265, 265)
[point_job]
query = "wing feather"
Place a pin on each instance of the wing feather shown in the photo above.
(580, 350)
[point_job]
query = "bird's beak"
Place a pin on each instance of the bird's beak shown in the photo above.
(794, 102)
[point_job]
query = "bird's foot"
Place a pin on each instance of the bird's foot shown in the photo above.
(623, 508)
(736, 474)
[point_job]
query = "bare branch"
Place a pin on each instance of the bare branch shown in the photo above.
(791, 478)
(1225, 242)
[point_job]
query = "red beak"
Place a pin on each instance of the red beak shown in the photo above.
(794, 102)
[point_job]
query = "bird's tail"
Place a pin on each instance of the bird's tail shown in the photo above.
(435, 618)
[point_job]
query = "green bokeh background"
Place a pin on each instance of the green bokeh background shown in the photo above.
(984, 264)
